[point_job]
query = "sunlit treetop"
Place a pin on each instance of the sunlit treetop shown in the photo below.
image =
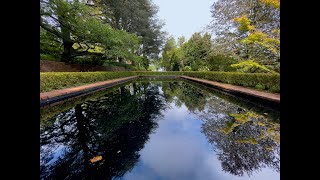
(251, 66)
(255, 37)
(244, 24)
(258, 37)
(262, 39)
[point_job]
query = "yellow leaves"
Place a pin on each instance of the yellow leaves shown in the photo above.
(255, 37)
(229, 127)
(259, 130)
(276, 137)
(274, 133)
(95, 159)
(271, 43)
(243, 118)
(269, 148)
(270, 130)
(274, 3)
(244, 24)
(261, 124)
(247, 141)
(276, 31)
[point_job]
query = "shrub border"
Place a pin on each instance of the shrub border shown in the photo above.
(270, 82)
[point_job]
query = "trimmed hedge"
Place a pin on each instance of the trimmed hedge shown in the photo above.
(58, 80)
(270, 82)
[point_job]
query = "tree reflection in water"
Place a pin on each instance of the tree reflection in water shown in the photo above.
(115, 127)
(244, 140)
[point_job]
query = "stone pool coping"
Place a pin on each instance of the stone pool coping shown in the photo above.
(274, 97)
(55, 96)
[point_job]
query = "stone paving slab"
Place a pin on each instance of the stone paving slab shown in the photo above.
(248, 91)
(61, 92)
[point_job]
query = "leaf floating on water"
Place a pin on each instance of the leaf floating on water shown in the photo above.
(95, 159)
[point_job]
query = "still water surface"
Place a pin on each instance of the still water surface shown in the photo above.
(161, 130)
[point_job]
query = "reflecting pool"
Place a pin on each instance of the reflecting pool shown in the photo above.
(158, 130)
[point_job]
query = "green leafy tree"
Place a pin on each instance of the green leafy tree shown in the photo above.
(50, 46)
(79, 27)
(196, 51)
(166, 57)
(138, 17)
(181, 41)
(220, 62)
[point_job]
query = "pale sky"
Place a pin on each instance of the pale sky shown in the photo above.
(184, 17)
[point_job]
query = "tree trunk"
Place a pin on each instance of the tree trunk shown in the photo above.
(67, 50)
(120, 60)
(65, 32)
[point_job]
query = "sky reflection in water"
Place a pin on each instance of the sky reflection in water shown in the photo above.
(188, 134)
(179, 150)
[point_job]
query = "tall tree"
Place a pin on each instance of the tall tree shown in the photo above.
(50, 44)
(138, 17)
(166, 58)
(78, 25)
(193, 54)
(181, 40)
(263, 15)
(197, 50)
